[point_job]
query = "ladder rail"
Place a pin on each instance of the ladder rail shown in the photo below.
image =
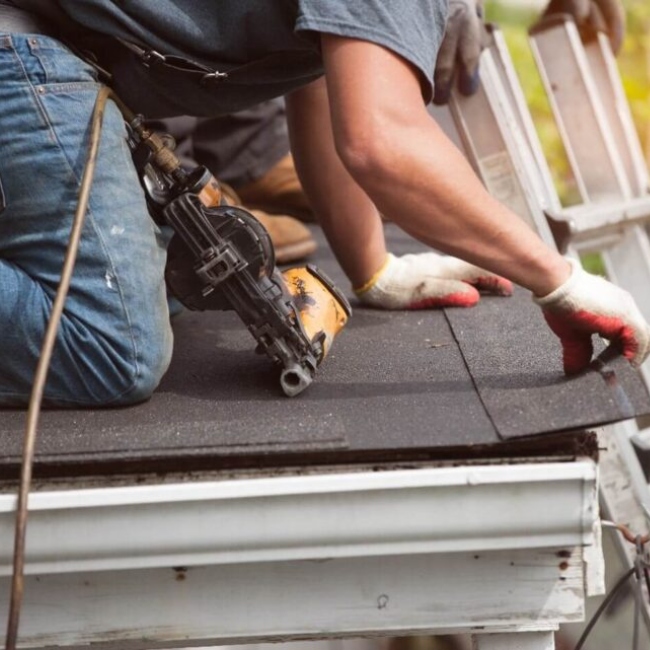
(493, 128)
(615, 203)
(518, 101)
(579, 113)
(589, 105)
(604, 70)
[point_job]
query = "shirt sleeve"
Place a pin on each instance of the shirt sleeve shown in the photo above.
(412, 29)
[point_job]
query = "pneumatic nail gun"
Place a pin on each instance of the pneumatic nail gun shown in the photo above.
(221, 257)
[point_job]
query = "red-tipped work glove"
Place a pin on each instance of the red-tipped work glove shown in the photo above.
(429, 280)
(588, 304)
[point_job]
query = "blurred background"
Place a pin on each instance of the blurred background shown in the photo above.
(515, 16)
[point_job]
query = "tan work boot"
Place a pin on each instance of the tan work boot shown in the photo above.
(279, 192)
(291, 240)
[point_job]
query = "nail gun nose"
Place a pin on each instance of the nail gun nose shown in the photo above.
(294, 379)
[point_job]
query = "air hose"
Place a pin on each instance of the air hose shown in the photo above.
(38, 387)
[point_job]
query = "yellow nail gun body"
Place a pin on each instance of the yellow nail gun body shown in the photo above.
(221, 257)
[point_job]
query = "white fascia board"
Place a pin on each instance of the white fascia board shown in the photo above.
(391, 512)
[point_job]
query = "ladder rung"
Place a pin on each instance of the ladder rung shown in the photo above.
(597, 220)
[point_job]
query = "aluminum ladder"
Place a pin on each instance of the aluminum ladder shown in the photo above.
(495, 130)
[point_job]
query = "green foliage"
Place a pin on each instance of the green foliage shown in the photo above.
(593, 263)
(634, 63)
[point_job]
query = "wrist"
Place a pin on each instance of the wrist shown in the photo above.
(555, 275)
(369, 283)
(563, 289)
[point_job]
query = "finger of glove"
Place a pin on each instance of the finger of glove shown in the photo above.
(616, 330)
(633, 338)
(480, 278)
(579, 9)
(446, 62)
(422, 292)
(613, 14)
(593, 16)
(494, 284)
(437, 292)
(457, 269)
(469, 52)
(577, 346)
(592, 25)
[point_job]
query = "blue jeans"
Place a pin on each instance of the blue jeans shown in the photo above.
(114, 342)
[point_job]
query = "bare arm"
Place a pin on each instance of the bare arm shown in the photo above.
(389, 144)
(348, 217)
(381, 136)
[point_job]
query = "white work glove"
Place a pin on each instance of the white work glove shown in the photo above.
(592, 16)
(588, 304)
(427, 280)
(461, 47)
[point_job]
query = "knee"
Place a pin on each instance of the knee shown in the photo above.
(88, 371)
(137, 376)
(120, 369)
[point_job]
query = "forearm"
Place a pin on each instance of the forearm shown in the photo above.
(416, 176)
(424, 184)
(348, 217)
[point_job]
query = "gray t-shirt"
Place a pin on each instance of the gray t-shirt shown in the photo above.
(270, 47)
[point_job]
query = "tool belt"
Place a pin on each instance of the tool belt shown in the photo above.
(154, 84)
(162, 85)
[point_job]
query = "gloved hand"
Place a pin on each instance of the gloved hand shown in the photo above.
(429, 280)
(593, 16)
(588, 304)
(465, 37)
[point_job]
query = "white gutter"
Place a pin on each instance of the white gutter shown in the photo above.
(316, 517)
